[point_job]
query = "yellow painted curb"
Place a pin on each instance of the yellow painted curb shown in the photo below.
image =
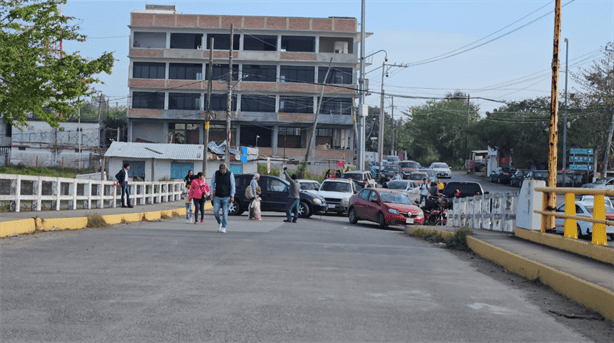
(16, 227)
(62, 223)
(412, 229)
(593, 296)
(597, 252)
(153, 215)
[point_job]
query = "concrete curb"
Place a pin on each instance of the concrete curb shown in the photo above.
(590, 295)
(31, 225)
(596, 252)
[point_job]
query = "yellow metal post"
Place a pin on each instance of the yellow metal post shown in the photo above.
(570, 209)
(544, 208)
(554, 117)
(599, 234)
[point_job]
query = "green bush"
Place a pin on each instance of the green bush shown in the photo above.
(96, 221)
(50, 172)
(456, 241)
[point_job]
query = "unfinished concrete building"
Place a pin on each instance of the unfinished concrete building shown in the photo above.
(278, 66)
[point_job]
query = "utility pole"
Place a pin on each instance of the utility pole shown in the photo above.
(554, 119)
(229, 99)
(79, 133)
(99, 105)
(380, 138)
(392, 133)
(565, 120)
(467, 133)
(315, 121)
(361, 93)
(208, 112)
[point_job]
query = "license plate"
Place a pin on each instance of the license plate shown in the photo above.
(331, 206)
(409, 221)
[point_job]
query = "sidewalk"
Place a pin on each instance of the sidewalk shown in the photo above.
(582, 279)
(10, 216)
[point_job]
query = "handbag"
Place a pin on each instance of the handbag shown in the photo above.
(249, 192)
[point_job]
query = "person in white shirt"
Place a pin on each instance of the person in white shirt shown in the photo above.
(424, 190)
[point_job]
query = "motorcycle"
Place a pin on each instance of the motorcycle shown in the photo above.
(434, 210)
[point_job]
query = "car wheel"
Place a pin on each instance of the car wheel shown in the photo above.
(611, 236)
(499, 179)
(352, 216)
(580, 235)
(381, 220)
(234, 208)
(303, 210)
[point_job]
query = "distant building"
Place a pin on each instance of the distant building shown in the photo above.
(278, 62)
(38, 144)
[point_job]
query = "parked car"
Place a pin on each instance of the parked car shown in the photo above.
(274, 196)
(374, 168)
(385, 207)
(467, 189)
(309, 186)
(432, 173)
(337, 193)
(409, 187)
(602, 183)
(389, 172)
(518, 177)
(442, 169)
(501, 175)
(418, 176)
(362, 178)
(568, 181)
(591, 198)
(538, 175)
(585, 209)
(409, 167)
(392, 159)
(479, 165)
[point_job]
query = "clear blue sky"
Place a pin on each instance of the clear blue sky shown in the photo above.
(409, 31)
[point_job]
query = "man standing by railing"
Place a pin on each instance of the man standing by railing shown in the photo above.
(122, 180)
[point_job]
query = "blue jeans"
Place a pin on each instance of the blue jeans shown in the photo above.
(188, 210)
(292, 209)
(126, 192)
(225, 203)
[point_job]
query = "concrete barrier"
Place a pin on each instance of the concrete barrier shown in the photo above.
(17, 227)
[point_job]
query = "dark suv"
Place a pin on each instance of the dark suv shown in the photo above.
(274, 196)
(467, 189)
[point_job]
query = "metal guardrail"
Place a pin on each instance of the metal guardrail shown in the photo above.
(599, 235)
(87, 193)
(496, 212)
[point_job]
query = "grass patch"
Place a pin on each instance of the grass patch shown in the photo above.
(165, 216)
(456, 240)
(174, 214)
(51, 172)
(124, 221)
(96, 221)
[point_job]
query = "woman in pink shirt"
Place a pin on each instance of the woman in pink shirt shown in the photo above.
(199, 191)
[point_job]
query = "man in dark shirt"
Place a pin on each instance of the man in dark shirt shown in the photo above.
(222, 193)
(122, 180)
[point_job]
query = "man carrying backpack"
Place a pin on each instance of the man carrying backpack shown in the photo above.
(122, 180)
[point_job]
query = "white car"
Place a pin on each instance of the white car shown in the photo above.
(337, 193)
(585, 209)
(309, 186)
(442, 169)
(591, 198)
(409, 187)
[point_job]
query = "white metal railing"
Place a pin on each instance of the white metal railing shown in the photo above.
(496, 212)
(65, 193)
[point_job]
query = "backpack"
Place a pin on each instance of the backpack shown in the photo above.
(249, 192)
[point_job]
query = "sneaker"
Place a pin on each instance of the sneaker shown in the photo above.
(187, 221)
(219, 228)
(202, 220)
(287, 221)
(130, 206)
(223, 230)
(195, 222)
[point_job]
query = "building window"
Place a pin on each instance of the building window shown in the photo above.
(324, 133)
(186, 40)
(260, 43)
(290, 137)
(220, 72)
(336, 45)
(9, 130)
(257, 103)
(219, 102)
(150, 40)
(336, 106)
(151, 100)
(148, 70)
(22, 148)
(259, 73)
(183, 101)
(185, 71)
(289, 131)
(296, 74)
(180, 133)
(222, 41)
(295, 104)
(339, 76)
(298, 44)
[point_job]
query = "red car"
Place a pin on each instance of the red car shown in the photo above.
(385, 207)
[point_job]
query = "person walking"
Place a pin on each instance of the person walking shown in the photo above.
(223, 186)
(293, 198)
(122, 180)
(254, 191)
(328, 174)
(424, 190)
(188, 203)
(188, 178)
(199, 191)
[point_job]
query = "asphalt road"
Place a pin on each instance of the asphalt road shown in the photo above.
(322, 279)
